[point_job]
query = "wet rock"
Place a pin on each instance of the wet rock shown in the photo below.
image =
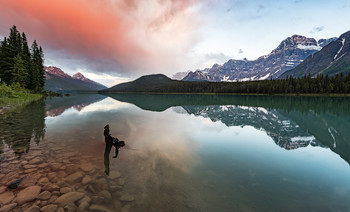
(2, 189)
(126, 208)
(27, 171)
(28, 194)
(121, 181)
(86, 167)
(114, 174)
(6, 197)
(91, 189)
(65, 190)
(51, 187)
(86, 180)
(51, 175)
(45, 195)
(127, 198)
(8, 207)
(98, 200)
(105, 194)
(52, 199)
(69, 197)
(29, 166)
(35, 161)
(74, 177)
(85, 199)
(115, 188)
(43, 203)
(55, 166)
(49, 208)
(61, 174)
(84, 206)
(43, 165)
(99, 208)
(34, 208)
(71, 207)
(43, 180)
(60, 210)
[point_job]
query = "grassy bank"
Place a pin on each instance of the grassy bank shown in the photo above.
(14, 95)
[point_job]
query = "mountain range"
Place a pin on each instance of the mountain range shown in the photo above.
(331, 60)
(59, 81)
(289, 53)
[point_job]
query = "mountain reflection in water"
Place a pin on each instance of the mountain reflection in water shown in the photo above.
(291, 121)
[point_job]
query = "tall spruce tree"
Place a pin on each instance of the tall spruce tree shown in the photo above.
(37, 68)
(19, 73)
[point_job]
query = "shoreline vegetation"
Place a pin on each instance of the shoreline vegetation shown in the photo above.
(14, 96)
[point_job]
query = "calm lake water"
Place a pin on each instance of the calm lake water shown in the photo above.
(182, 153)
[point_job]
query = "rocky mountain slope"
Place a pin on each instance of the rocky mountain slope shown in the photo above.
(59, 81)
(331, 60)
(290, 53)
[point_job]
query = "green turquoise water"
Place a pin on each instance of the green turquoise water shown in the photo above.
(189, 152)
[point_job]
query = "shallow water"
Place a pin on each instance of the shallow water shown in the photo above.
(183, 153)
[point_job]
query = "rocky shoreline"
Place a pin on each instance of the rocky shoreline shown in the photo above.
(66, 182)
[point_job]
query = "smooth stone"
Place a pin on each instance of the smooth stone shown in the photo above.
(61, 174)
(86, 167)
(98, 200)
(51, 187)
(74, 177)
(69, 197)
(126, 208)
(28, 194)
(43, 180)
(86, 180)
(34, 208)
(55, 166)
(27, 171)
(35, 161)
(45, 195)
(114, 174)
(116, 188)
(51, 175)
(65, 190)
(127, 198)
(84, 206)
(2, 189)
(99, 208)
(71, 207)
(121, 181)
(60, 210)
(48, 208)
(7, 208)
(29, 166)
(52, 199)
(105, 194)
(43, 165)
(6, 197)
(85, 199)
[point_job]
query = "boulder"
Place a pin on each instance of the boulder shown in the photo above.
(28, 194)
(69, 197)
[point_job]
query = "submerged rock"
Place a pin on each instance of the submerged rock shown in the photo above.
(45, 195)
(69, 197)
(7, 208)
(16, 183)
(99, 208)
(127, 198)
(28, 194)
(6, 197)
(49, 208)
(74, 177)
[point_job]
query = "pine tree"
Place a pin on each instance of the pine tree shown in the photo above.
(19, 73)
(25, 54)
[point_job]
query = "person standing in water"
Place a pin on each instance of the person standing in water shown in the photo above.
(110, 141)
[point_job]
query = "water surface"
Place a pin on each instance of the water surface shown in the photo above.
(184, 152)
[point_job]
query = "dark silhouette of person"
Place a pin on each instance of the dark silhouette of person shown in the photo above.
(110, 141)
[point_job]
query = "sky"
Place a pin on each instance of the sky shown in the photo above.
(113, 41)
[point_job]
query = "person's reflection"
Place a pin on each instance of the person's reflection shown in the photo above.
(110, 141)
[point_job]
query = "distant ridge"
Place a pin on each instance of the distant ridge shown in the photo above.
(58, 81)
(147, 83)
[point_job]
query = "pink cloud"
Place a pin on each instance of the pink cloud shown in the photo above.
(133, 34)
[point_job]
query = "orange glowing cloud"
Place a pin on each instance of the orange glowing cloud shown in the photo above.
(136, 35)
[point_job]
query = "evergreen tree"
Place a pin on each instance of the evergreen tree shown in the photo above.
(19, 73)
(25, 54)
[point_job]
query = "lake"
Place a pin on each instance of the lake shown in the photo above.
(182, 153)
